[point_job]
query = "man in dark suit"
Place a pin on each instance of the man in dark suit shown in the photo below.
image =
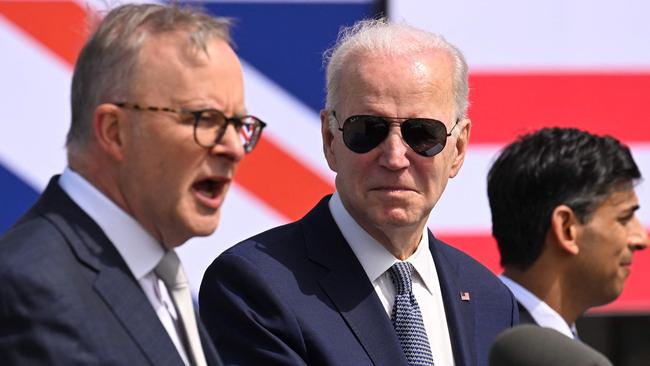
(360, 280)
(89, 275)
(563, 214)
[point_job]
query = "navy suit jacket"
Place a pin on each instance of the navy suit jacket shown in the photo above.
(68, 298)
(297, 295)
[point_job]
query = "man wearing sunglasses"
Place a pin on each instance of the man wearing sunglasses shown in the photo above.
(360, 280)
(90, 275)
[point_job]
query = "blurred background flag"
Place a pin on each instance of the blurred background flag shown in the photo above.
(579, 63)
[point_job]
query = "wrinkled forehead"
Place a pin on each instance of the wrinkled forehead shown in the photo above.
(172, 56)
(178, 46)
(401, 78)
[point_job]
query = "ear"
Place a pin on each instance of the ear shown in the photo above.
(328, 139)
(460, 148)
(564, 229)
(108, 127)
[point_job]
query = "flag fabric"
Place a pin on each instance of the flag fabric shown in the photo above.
(579, 63)
(531, 65)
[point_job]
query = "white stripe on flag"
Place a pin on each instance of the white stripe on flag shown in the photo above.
(35, 107)
(551, 34)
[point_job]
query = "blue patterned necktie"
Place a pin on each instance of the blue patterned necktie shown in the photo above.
(407, 318)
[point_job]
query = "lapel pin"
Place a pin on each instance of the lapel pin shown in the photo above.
(464, 295)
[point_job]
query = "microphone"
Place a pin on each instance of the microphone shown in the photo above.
(532, 345)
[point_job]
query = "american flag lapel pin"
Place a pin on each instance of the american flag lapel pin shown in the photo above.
(464, 295)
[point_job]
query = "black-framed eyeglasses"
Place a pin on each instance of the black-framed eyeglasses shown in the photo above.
(210, 124)
(362, 133)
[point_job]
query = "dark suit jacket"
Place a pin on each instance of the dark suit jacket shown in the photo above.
(68, 298)
(297, 295)
(524, 315)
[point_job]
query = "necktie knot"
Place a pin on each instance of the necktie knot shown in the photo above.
(170, 272)
(400, 273)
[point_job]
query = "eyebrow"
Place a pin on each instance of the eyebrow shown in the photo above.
(631, 210)
(240, 114)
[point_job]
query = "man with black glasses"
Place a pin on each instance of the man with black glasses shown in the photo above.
(89, 275)
(360, 280)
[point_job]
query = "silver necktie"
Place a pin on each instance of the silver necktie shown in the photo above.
(170, 271)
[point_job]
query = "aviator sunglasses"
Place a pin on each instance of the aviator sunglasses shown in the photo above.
(362, 133)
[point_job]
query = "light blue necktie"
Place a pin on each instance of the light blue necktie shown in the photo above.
(407, 318)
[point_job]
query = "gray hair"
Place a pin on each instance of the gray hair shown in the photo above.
(379, 36)
(107, 63)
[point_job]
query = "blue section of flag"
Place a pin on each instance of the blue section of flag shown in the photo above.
(17, 197)
(286, 41)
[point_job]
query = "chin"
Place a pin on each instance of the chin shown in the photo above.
(206, 229)
(399, 217)
(395, 222)
(613, 294)
(197, 225)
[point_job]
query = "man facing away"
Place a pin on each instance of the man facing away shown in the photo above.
(563, 214)
(360, 280)
(89, 275)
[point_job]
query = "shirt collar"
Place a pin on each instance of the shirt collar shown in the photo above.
(373, 256)
(543, 314)
(136, 246)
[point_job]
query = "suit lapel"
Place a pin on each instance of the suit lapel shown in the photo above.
(459, 312)
(348, 287)
(114, 282)
(364, 314)
(129, 304)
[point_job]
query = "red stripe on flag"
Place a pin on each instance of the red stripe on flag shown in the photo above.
(281, 181)
(58, 25)
(507, 105)
(502, 104)
(269, 173)
(635, 296)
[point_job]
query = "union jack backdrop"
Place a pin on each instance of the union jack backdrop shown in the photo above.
(582, 63)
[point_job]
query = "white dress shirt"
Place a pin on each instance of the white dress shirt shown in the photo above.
(376, 260)
(543, 314)
(136, 246)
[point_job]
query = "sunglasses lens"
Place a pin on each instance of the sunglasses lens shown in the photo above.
(426, 137)
(363, 133)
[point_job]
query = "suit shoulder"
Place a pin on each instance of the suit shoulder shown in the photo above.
(277, 240)
(32, 240)
(458, 256)
(37, 269)
(273, 257)
(468, 266)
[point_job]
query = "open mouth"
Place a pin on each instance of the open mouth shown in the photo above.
(208, 188)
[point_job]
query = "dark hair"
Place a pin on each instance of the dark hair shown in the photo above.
(545, 169)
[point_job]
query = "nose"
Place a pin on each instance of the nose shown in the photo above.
(638, 235)
(230, 145)
(394, 150)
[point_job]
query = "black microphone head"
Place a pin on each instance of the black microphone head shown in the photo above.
(531, 345)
